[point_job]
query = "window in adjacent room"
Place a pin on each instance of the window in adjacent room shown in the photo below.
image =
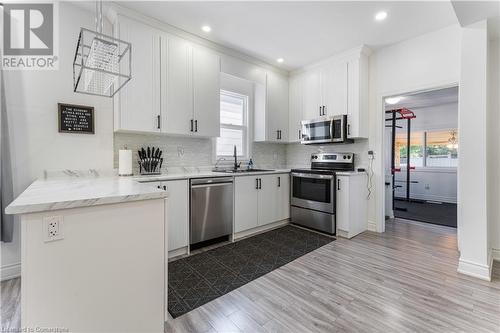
(441, 149)
(233, 125)
(416, 149)
(432, 149)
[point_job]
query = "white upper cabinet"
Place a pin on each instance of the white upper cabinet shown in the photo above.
(175, 85)
(295, 107)
(357, 104)
(338, 86)
(206, 92)
(312, 94)
(271, 116)
(334, 89)
(177, 97)
(137, 104)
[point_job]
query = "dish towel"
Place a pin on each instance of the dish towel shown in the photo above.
(6, 188)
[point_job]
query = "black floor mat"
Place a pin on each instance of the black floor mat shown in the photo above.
(198, 279)
(442, 214)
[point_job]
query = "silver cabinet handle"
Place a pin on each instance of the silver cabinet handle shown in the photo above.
(192, 125)
(158, 121)
(279, 181)
(256, 183)
(196, 125)
(338, 184)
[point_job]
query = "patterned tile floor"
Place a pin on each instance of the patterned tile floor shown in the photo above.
(201, 278)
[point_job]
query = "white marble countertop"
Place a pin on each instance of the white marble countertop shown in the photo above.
(191, 174)
(71, 189)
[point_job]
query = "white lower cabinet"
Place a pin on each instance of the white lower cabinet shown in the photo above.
(177, 214)
(352, 205)
(245, 203)
(261, 200)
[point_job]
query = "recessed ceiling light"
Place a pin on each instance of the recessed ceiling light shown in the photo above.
(280, 60)
(380, 16)
(393, 100)
(206, 28)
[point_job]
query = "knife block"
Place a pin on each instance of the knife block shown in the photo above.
(150, 161)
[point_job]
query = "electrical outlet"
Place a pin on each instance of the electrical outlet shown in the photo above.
(427, 186)
(180, 151)
(52, 228)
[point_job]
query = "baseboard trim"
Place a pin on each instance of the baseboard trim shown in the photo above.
(259, 230)
(10, 271)
(476, 270)
(173, 254)
(372, 226)
(495, 254)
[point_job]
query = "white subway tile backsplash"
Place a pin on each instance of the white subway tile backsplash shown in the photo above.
(188, 152)
(196, 153)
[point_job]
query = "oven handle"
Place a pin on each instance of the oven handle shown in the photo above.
(310, 175)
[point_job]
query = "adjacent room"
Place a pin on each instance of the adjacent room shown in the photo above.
(422, 184)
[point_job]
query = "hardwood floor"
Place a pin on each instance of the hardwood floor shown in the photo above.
(404, 280)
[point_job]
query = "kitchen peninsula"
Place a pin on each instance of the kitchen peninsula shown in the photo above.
(93, 253)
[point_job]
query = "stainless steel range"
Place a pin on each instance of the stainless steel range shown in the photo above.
(314, 191)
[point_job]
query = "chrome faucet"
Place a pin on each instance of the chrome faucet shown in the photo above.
(236, 164)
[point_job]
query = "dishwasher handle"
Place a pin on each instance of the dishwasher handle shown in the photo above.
(209, 181)
(211, 185)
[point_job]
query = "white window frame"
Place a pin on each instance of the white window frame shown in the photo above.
(242, 156)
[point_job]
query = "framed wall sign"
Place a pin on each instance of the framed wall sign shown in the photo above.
(76, 119)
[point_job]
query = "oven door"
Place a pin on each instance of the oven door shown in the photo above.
(313, 191)
(317, 131)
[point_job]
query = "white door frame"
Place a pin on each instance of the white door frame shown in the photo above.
(380, 149)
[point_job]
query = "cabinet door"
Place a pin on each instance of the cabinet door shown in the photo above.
(311, 95)
(342, 203)
(283, 196)
(267, 198)
(357, 120)
(137, 104)
(245, 203)
(178, 90)
(295, 107)
(177, 213)
(206, 90)
(277, 108)
(334, 89)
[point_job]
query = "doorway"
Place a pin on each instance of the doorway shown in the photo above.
(421, 156)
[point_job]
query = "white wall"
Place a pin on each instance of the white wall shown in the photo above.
(472, 178)
(428, 61)
(493, 121)
(36, 145)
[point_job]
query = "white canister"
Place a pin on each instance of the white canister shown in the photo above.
(125, 162)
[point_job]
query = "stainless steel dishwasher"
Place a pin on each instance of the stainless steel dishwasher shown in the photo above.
(211, 208)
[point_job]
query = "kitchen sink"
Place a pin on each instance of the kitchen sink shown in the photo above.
(240, 170)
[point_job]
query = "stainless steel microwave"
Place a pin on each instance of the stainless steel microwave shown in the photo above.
(325, 130)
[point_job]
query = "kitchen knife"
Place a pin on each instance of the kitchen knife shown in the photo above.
(149, 152)
(143, 153)
(161, 162)
(159, 154)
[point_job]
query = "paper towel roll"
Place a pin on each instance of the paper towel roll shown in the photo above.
(125, 162)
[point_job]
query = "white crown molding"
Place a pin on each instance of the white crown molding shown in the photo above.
(358, 51)
(114, 9)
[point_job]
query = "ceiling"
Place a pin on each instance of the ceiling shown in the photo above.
(300, 32)
(426, 99)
